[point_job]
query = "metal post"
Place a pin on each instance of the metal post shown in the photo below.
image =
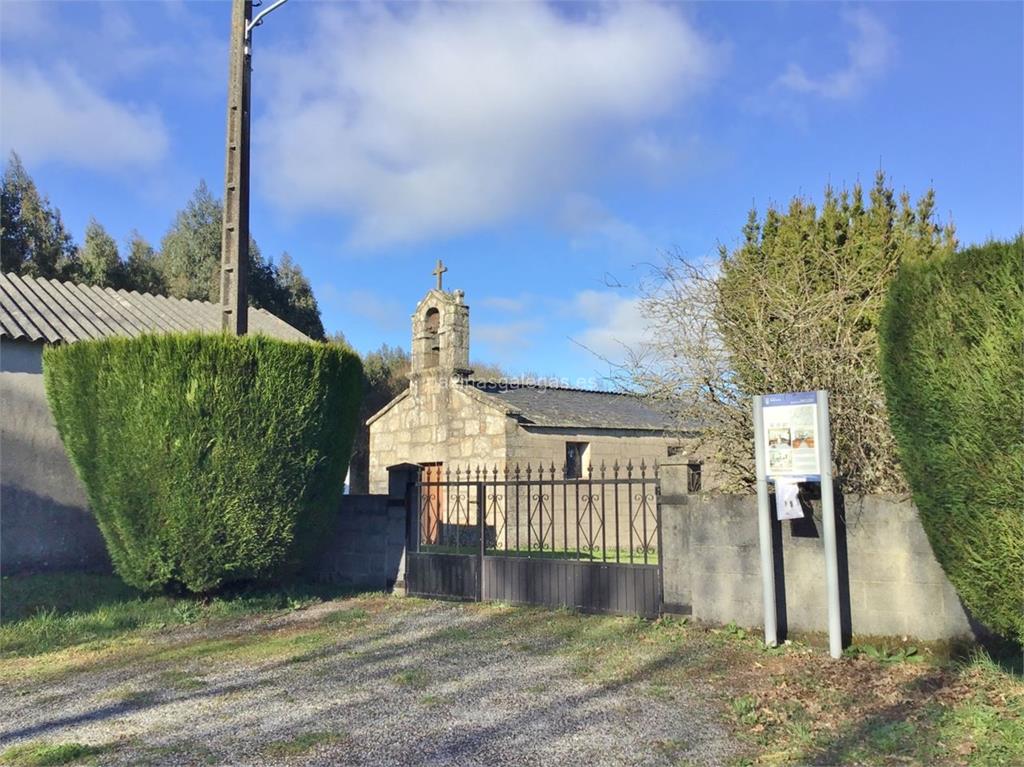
(828, 513)
(481, 521)
(764, 528)
(235, 236)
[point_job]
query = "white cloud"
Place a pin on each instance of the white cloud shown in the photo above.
(614, 323)
(433, 119)
(592, 226)
(869, 52)
(57, 116)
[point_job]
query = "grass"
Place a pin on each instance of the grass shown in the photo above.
(47, 612)
(879, 705)
(416, 678)
(791, 705)
(42, 754)
(302, 744)
(607, 556)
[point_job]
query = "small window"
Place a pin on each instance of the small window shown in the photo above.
(693, 477)
(575, 455)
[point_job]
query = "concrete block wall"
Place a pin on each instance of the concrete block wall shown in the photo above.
(45, 522)
(890, 582)
(367, 546)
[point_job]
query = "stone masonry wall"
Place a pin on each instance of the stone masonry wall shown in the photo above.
(437, 421)
(890, 582)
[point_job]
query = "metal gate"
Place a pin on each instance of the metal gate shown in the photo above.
(537, 536)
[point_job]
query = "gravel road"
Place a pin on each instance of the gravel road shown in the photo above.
(420, 683)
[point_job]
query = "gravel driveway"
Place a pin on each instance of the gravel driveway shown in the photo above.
(359, 682)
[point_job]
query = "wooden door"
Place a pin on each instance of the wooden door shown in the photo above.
(433, 498)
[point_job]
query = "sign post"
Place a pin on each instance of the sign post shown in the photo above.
(828, 514)
(793, 443)
(764, 528)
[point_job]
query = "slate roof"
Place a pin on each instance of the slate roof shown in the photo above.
(52, 311)
(575, 408)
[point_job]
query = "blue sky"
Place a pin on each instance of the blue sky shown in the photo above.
(545, 152)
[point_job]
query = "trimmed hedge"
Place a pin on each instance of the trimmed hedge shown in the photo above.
(207, 459)
(953, 369)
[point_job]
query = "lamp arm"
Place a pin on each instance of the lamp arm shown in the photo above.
(258, 18)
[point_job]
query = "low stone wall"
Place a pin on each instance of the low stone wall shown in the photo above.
(367, 546)
(890, 582)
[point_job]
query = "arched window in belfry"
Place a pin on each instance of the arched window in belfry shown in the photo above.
(432, 324)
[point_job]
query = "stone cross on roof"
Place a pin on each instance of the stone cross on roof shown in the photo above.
(439, 271)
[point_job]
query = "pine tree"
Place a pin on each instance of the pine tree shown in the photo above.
(33, 240)
(143, 267)
(301, 310)
(190, 251)
(190, 267)
(99, 261)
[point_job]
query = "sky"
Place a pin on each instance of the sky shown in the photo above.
(550, 154)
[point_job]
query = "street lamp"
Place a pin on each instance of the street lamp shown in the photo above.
(234, 251)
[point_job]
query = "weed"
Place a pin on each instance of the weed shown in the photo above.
(182, 680)
(745, 709)
(884, 655)
(415, 678)
(349, 615)
(302, 744)
(49, 754)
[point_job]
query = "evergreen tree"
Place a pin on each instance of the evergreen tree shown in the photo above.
(190, 251)
(33, 240)
(99, 262)
(190, 266)
(143, 267)
(300, 307)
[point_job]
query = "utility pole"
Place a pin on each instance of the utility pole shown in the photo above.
(234, 258)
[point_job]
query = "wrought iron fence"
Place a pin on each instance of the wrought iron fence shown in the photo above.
(608, 515)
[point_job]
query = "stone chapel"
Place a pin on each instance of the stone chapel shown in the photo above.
(449, 419)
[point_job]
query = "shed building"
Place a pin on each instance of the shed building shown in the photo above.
(45, 522)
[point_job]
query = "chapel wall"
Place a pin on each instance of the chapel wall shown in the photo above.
(436, 422)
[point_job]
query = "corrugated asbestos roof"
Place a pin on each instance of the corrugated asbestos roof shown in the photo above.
(37, 309)
(576, 408)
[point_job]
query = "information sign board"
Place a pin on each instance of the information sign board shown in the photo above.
(791, 435)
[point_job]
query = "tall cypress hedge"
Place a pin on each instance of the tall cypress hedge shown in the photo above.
(207, 459)
(953, 368)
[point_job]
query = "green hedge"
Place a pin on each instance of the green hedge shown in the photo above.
(207, 459)
(953, 369)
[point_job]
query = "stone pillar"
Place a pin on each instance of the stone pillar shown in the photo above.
(675, 539)
(403, 507)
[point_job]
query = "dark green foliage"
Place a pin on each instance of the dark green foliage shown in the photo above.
(190, 265)
(386, 376)
(954, 379)
(207, 459)
(142, 269)
(33, 239)
(98, 259)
